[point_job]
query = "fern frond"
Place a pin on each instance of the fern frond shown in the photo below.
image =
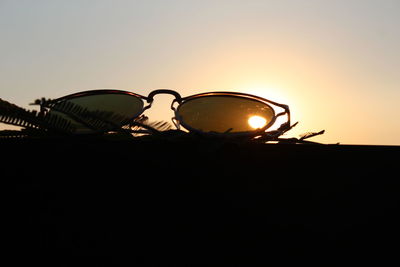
(17, 116)
(160, 126)
(31, 119)
(97, 120)
(141, 125)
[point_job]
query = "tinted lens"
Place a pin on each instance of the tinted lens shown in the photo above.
(223, 114)
(98, 112)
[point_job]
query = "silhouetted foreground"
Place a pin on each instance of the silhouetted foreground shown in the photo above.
(165, 202)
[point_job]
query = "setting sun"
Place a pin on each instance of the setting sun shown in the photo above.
(257, 122)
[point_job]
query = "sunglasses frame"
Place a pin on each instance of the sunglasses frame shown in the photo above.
(179, 100)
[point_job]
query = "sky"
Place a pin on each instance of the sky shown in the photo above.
(336, 63)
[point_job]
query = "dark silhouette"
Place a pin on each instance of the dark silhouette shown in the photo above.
(172, 198)
(99, 112)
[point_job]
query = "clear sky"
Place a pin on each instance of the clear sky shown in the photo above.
(336, 63)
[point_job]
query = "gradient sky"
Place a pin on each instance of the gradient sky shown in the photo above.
(336, 63)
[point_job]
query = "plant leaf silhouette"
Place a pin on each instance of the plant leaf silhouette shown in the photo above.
(17, 116)
(310, 134)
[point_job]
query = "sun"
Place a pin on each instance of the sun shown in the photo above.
(256, 122)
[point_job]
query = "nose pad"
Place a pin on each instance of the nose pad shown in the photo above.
(175, 119)
(176, 123)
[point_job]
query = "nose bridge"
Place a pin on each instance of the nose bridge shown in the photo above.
(150, 97)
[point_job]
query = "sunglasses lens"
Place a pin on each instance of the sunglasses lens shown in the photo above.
(225, 114)
(90, 113)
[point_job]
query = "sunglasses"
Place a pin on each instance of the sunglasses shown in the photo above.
(212, 113)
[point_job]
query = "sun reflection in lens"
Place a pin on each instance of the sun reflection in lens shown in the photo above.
(257, 122)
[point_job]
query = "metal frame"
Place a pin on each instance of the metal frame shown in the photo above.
(238, 95)
(181, 100)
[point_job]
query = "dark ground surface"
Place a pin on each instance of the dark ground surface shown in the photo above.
(170, 202)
